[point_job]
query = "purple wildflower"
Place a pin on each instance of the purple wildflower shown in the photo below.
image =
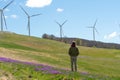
(54, 72)
(48, 70)
(7, 60)
(37, 67)
(84, 73)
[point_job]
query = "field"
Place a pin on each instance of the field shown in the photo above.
(31, 58)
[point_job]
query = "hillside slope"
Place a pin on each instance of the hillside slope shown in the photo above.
(96, 61)
(31, 48)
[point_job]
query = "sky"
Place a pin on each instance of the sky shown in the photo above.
(80, 14)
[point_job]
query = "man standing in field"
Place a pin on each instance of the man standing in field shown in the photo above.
(73, 52)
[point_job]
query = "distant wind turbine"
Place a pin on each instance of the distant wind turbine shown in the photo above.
(61, 25)
(28, 25)
(94, 30)
(119, 32)
(3, 16)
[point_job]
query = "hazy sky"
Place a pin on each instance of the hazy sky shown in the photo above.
(79, 13)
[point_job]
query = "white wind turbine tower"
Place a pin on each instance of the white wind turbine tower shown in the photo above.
(94, 29)
(3, 16)
(61, 25)
(119, 32)
(28, 25)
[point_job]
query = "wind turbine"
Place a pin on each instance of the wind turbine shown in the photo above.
(94, 29)
(61, 25)
(3, 16)
(119, 28)
(29, 16)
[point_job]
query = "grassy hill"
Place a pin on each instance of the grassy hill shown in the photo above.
(93, 63)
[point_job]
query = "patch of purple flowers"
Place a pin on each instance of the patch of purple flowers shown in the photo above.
(84, 73)
(8, 60)
(48, 70)
(38, 67)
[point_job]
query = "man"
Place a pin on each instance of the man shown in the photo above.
(73, 52)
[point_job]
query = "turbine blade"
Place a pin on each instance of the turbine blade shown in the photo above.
(58, 23)
(90, 27)
(35, 15)
(64, 22)
(119, 25)
(95, 23)
(24, 11)
(63, 33)
(96, 31)
(4, 20)
(28, 23)
(29, 26)
(8, 4)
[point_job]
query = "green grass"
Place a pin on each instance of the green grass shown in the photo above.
(101, 64)
(16, 71)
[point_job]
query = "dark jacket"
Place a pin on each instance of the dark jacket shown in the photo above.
(73, 51)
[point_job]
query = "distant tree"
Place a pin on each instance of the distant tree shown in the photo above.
(83, 42)
(52, 37)
(45, 36)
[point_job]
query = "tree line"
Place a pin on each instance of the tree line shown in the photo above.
(83, 42)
